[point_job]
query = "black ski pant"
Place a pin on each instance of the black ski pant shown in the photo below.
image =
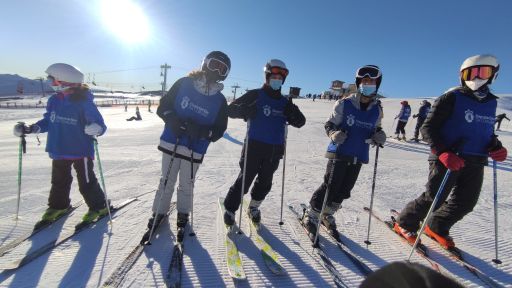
(262, 161)
(400, 127)
(462, 186)
(87, 184)
(344, 177)
(418, 126)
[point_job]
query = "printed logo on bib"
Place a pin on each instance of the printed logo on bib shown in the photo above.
(470, 116)
(187, 104)
(184, 102)
(64, 120)
(267, 110)
(350, 120)
(52, 117)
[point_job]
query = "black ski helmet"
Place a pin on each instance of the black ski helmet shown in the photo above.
(371, 71)
(220, 56)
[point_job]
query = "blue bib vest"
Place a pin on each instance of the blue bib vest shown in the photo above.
(359, 126)
(268, 124)
(424, 111)
(190, 105)
(472, 123)
(406, 113)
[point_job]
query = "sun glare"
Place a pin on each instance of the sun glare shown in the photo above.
(125, 19)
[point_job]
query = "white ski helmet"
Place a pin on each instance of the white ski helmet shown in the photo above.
(275, 63)
(481, 60)
(65, 72)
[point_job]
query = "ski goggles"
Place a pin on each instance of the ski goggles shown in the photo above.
(52, 81)
(216, 65)
(366, 71)
(278, 70)
(482, 72)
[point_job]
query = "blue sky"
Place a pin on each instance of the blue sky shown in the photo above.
(419, 45)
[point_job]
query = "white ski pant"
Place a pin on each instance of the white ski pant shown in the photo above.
(185, 190)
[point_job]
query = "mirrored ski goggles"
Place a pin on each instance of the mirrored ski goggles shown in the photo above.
(482, 72)
(216, 65)
(278, 70)
(370, 72)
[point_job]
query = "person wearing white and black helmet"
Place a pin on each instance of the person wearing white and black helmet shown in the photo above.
(354, 124)
(194, 112)
(460, 131)
(421, 115)
(267, 111)
(71, 121)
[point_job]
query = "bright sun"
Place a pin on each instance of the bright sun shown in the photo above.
(125, 19)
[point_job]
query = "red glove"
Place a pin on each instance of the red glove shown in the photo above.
(451, 161)
(499, 154)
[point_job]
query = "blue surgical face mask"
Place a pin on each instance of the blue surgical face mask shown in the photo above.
(275, 83)
(367, 90)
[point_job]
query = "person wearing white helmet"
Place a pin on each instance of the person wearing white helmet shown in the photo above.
(72, 120)
(354, 124)
(460, 131)
(421, 115)
(267, 112)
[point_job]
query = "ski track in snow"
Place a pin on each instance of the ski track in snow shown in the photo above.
(131, 166)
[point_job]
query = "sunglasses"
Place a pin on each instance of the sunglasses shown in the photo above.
(216, 65)
(482, 72)
(368, 72)
(278, 70)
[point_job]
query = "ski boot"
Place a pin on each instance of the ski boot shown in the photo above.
(151, 220)
(310, 221)
(181, 222)
(407, 235)
(445, 241)
(92, 216)
(415, 139)
(254, 212)
(229, 218)
(51, 215)
(397, 137)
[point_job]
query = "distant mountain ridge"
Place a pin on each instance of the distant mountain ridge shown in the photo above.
(12, 85)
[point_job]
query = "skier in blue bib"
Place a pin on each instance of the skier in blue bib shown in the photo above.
(194, 112)
(354, 124)
(460, 131)
(267, 113)
(403, 117)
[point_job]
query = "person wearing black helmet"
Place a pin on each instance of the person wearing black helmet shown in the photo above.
(354, 124)
(195, 114)
(422, 115)
(460, 132)
(267, 112)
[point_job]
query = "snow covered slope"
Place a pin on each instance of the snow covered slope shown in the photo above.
(131, 165)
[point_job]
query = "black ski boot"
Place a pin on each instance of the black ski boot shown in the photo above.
(229, 218)
(254, 214)
(181, 222)
(310, 222)
(151, 220)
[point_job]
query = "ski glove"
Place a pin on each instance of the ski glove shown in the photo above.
(293, 115)
(499, 154)
(21, 129)
(451, 161)
(338, 136)
(93, 129)
(178, 126)
(378, 138)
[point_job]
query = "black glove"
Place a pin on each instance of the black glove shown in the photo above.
(178, 126)
(293, 115)
(21, 129)
(248, 111)
(415, 116)
(193, 130)
(290, 110)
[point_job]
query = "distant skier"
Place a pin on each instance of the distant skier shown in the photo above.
(267, 112)
(354, 120)
(402, 117)
(149, 106)
(194, 112)
(125, 107)
(500, 118)
(422, 115)
(137, 115)
(460, 131)
(72, 120)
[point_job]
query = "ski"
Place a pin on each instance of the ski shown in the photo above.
(117, 277)
(234, 262)
(457, 255)
(356, 259)
(173, 277)
(270, 256)
(421, 249)
(53, 244)
(326, 262)
(40, 226)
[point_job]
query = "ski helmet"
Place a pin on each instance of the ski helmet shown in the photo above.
(275, 66)
(405, 103)
(478, 61)
(369, 71)
(216, 64)
(65, 73)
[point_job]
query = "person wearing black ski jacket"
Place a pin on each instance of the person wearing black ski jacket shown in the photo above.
(460, 131)
(267, 113)
(422, 115)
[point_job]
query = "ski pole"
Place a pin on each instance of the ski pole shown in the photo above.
(368, 242)
(173, 156)
(427, 218)
(192, 233)
(284, 169)
(95, 141)
(315, 242)
(243, 176)
(21, 150)
(495, 180)
(392, 126)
